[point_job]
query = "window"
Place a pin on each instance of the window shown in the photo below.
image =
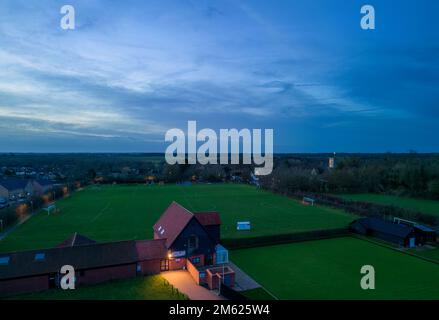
(40, 256)
(195, 260)
(192, 242)
(4, 261)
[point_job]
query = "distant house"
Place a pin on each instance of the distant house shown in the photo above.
(13, 188)
(42, 186)
(400, 234)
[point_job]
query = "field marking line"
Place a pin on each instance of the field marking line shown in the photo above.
(100, 212)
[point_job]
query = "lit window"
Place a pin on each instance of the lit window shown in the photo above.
(4, 261)
(40, 256)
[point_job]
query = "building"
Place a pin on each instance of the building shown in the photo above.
(400, 234)
(38, 270)
(188, 235)
(182, 240)
(13, 189)
(192, 241)
(41, 186)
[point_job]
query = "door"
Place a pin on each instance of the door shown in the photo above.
(412, 243)
(53, 280)
(164, 265)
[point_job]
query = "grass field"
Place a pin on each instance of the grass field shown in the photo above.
(330, 269)
(421, 205)
(147, 288)
(118, 212)
(257, 294)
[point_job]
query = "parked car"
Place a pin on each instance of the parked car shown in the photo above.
(3, 203)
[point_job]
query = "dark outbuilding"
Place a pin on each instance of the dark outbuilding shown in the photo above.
(399, 234)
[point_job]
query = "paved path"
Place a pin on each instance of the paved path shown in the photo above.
(184, 282)
(242, 280)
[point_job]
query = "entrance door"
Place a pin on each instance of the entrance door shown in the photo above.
(53, 280)
(164, 265)
(412, 243)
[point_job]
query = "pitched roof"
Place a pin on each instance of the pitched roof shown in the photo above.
(423, 228)
(86, 256)
(44, 182)
(75, 239)
(13, 184)
(380, 225)
(208, 218)
(23, 264)
(172, 222)
(151, 249)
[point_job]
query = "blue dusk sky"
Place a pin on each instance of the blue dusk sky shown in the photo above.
(131, 70)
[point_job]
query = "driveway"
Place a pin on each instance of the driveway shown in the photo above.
(184, 282)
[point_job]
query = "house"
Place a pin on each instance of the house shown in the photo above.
(38, 270)
(188, 235)
(192, 241)
(13, 188)
(182, 240)
(41, 186)
(399, 234)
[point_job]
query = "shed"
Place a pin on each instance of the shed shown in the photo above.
(400, 234)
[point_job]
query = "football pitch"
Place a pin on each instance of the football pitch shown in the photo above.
(330, 269)
(121, 212)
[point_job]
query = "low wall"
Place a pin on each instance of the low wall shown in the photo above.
(193, 271)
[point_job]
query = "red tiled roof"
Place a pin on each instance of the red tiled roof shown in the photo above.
(172, 222)
(86, 256)
(210, 218)
(151, 249)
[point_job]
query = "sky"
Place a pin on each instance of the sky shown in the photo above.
(131, 70)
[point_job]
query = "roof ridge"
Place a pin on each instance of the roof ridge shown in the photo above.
(74, 239)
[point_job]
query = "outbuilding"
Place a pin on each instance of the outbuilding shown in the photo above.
(399, 234)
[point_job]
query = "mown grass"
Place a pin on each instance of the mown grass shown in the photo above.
(330, 269)
(421, 205)
(121, 212)
(144, 288)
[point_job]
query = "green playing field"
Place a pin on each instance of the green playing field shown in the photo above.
(120, 212)
(421, 205)
(330, 269)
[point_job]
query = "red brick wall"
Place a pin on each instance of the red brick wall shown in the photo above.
(193, 271)
(106, 274)
(150, 267)
(177, 263)
(24, 285)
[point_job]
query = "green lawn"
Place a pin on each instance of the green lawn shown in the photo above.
(257, 294)
(120, 212)
(421, 205)
(330, 269)
(147, 288)
(427, 252)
